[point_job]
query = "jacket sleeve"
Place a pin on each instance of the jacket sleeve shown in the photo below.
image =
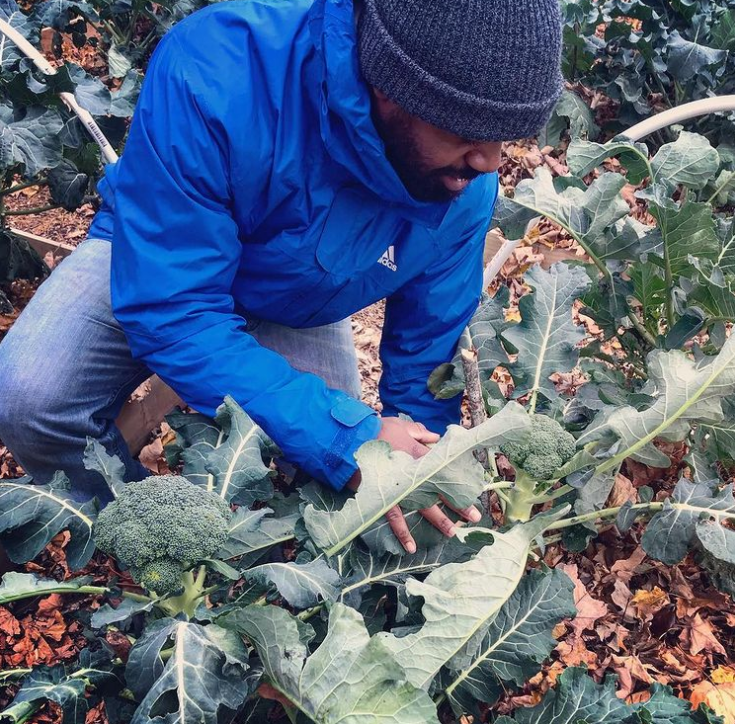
(423, 323)
(175, 255)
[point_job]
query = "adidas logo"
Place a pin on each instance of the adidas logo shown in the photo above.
(389, 258)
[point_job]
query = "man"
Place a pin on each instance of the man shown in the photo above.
(289, 163)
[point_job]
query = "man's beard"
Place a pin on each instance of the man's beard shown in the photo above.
(423, 182)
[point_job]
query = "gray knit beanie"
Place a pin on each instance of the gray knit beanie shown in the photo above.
(486, 70)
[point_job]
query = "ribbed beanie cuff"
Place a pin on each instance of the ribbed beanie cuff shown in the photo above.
(388, 66)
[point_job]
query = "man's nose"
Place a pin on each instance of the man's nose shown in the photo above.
(484, 158)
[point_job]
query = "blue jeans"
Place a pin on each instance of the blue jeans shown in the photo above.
(66, 370)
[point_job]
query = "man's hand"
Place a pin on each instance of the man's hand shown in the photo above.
(413, 438)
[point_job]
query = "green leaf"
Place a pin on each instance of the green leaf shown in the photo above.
(481, 334)
(462, 599)
(125, 611)
(671, 532)
(390, 478)
(125, 97)
(688, 59)
(717, 539)
(578, 699)
(302, 584)
(226, 455)
(685, 392)
(67, 185)
(58, 14)
(349, 678)
(726, 235)
(64, 685)
(721, 436)
(517, 642)
(110, 467)
(586, 215)
(253, 533)
(31, 141)
(16, 586)
(650, 287)
(31, 515)
(119, 61)
(91, 93)
(11, 13)
(240, 474)
(578, 118)
(584, 156)
(207, 672)
(368, 569)
(546, 339)
(690, 160)
(18, 259)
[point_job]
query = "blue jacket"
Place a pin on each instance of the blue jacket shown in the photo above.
(254, 184)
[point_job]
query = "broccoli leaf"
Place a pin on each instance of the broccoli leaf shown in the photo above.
(31, 515)
(462, 599)
(30, 141)
(64, 685)
(517, 642)
(350, 677)
(207, 670)
(684, 391)
(481, 334)
(546, 339)
(252, 533)
(587, 215)
(693, 511)
(302, 584)
(584, 156)
(11, 13)
(577, 698)
(685, 231)
(226, 455)
(110, 467)
(389, 478)
(368, 569)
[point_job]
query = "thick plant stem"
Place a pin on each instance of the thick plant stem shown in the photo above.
(35, 210)
(188, 601)
(476, 403)
(25, 185)
(82, 590)
(473, 386)
(640, 328)
(606, 513)
(520, 499)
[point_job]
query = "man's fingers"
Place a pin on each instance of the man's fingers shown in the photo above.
(419, 433)
(398, 525)
(440, 521)
(471, 514)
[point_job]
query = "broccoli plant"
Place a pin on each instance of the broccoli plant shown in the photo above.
(311, 601)
(544, 450)
(159, 528)
(43, 143)
(650, 55)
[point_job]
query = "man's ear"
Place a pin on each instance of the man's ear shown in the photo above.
(384, 105)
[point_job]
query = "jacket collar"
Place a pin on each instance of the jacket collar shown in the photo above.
(346, 124)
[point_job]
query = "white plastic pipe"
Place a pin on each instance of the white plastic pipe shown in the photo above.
(71, 102)
(717, 104)
(679, 114)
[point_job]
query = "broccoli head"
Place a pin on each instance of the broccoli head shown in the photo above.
(160, 526)
(543, 450)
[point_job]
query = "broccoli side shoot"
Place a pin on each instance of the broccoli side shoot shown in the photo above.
(545, 448)
(161, 526)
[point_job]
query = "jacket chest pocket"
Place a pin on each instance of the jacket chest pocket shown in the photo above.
(352, 238)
